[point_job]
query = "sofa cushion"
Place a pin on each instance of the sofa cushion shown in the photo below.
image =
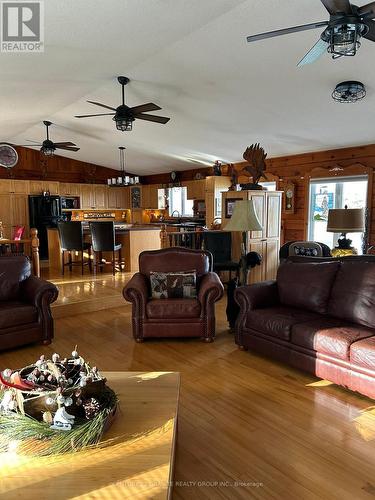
(13, 270)
(15, 313)
(173, 308)
(362, 353)
(277, 321)
(353, 293)
(329, 335)
(306, 285)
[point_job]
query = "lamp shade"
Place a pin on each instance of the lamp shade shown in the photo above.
(244, 217)
(346, 220)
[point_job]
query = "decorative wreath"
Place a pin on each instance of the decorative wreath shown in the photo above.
(54, 406)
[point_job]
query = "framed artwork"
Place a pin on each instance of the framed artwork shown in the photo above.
(229, 206)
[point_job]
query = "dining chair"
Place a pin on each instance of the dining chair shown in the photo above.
(71, 240)
(103, 239)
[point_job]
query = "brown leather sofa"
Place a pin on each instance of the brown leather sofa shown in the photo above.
(316, 316)
(174, 317)
(25, 314)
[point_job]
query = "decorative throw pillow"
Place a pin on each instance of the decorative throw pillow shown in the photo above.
(176, 285)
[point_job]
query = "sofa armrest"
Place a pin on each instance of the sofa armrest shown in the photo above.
(211, 289)
(136, 292)
(250, 297)
(262, 294)
(38, 292)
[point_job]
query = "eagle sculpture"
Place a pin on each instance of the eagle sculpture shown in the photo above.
(255, 156)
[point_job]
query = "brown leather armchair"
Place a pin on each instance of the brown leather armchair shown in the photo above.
(25, 314)
(174, 317)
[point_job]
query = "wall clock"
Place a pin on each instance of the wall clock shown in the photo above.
(8, 156)
(289, 199)
(173, 176)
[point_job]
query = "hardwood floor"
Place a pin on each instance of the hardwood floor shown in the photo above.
(242, 417)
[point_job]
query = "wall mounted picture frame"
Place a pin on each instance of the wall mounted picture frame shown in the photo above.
(229, 206)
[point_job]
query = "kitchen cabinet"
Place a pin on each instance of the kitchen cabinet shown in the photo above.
(39, 187)
(69, 189)
(87, 196)
(196, 190)
(136, 197)
(12, 186)
(101, 199)
(14, 210)
(151, 198)
(118, 197)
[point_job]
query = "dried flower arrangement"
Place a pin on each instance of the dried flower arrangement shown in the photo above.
(54, 406)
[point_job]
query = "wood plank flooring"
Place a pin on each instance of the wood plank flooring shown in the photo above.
(262, 429)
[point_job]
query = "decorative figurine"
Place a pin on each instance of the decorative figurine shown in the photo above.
(256, 157)
(62, 420)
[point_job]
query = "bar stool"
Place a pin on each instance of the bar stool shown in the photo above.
(103, 240)
(71, 240)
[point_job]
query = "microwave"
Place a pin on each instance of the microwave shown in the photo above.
(70, 202)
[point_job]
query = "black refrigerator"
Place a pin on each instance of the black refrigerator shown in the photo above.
(44, 212)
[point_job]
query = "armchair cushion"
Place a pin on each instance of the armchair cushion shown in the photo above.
(14, 313)
(173, 309)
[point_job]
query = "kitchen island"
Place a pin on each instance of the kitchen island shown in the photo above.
(134, 239)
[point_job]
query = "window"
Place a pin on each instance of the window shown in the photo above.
(178, 202)
(334, 193)
(270, 185)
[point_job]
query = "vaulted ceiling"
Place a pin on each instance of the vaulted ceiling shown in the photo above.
(191, 58)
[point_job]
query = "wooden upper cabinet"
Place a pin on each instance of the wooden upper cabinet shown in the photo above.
(87, 196)
(38, 187)
(20, 211)
(20, 187)
(196, 190)
(118, 197)
(150, 196)
(101, 199)
(5, 186)
(69, 189)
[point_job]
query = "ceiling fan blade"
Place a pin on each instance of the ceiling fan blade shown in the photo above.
(368, 10)
(100, 114)
(337, 6)
(29, 145)
(286, 31)
(65, 144)
(153, 118)
(67, 148)
(145, 107)
(102, 105)
(370, 35)
(314, 53)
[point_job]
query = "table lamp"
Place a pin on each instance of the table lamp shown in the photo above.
(244, 219)
(345, 220)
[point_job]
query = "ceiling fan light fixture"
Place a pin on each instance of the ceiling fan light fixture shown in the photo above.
(123, 123)
(350, 91)
(48, 148)
(344, 39)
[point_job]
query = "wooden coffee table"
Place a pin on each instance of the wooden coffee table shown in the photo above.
(137, 464)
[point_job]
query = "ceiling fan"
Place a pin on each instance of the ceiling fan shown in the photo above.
(48, 147)
(123, 115)
(346, 26)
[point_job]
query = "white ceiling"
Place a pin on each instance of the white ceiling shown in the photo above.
(191, 58)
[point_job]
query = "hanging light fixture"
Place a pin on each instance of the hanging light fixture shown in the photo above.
(344, 39)
(122, 163)
(48, 147)
(124, 121)
(350, 91)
